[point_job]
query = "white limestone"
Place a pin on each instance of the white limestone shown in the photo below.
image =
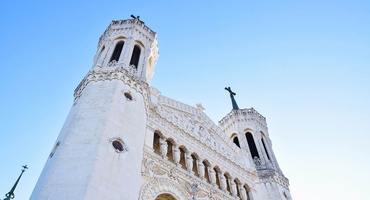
(115, 104)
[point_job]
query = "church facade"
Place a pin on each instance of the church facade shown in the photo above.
(123, 140)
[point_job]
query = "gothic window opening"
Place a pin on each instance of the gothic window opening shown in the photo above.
(217, 178)
(135, 56)
(182, 158)
(117, 51)
(264, 146)
(236, 140)
(156, 145)
(169, 151)
(195, 167)
(252, 145)
(206, 168)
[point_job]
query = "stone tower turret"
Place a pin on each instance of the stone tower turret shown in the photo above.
(99, 151)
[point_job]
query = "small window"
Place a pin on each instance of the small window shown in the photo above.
(54, 150)
(119, 146)
(128, 96)
(236, 141)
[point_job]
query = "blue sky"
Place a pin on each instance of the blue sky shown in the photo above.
(304, 65)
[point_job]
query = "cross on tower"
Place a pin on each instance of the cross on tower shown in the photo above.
(232, 94)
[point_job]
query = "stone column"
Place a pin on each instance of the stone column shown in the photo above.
(163, 147)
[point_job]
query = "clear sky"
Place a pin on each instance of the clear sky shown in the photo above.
(303, 64)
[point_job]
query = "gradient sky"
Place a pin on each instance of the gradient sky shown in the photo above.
(304, 65)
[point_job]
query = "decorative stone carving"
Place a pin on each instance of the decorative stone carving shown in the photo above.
(194, 189)
(257, 161)
(147, 167)
(155, 187)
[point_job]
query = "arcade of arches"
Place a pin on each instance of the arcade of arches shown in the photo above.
(180, 156)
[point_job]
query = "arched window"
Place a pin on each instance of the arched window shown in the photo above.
(117, 51)
(252, 145)
(264, 146)
(206, 168)
(235, 139)
(169, 150)
(217, 171)
(227, 178)
(195, 164)
(182, 157)
(135, 56)
(156, 145)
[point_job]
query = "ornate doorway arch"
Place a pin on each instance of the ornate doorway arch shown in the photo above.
(158, 188)
(165, 196)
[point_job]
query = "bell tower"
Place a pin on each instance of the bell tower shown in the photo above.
(249, 132)
(129, 44)
(99, 151)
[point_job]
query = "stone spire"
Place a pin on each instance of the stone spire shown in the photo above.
(10, 194)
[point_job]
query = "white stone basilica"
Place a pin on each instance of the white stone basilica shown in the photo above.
(123, 140)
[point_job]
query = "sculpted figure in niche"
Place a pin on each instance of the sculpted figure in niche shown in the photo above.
(200, 169)
(163, 147)
(176, 155)
(188, 162)
(257, 161)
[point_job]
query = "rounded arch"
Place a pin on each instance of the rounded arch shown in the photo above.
(217, 171)
(171, 140)
(165, 196)
(138, 42)
(248, 130)
(156, 187)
